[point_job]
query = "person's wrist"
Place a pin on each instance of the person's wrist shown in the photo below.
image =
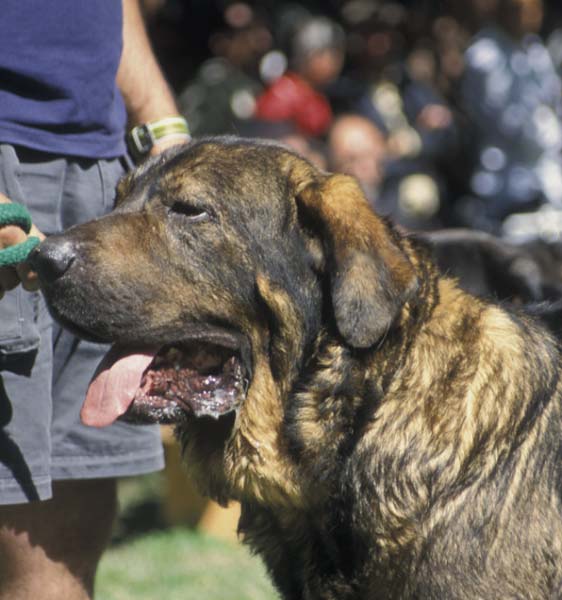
(153, 137)
(168, 142)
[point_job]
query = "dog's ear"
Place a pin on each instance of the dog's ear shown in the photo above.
(370, 276)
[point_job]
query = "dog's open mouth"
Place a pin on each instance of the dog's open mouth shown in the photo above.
(165, 385)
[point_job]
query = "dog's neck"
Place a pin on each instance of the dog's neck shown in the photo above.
(345, 386)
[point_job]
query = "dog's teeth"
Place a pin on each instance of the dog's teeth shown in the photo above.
(220, 395)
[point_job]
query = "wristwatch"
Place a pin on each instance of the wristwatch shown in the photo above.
(142, 138)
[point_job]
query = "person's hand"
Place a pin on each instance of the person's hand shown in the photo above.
(10, 277)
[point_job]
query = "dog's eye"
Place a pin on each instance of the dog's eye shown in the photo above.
(195, 214)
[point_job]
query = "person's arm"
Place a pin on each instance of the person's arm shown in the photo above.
(147, 96)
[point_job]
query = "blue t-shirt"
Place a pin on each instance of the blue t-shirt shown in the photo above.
(58, 61)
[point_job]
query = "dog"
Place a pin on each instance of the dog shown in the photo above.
(388, 435)
(527, 274)
(489, 266)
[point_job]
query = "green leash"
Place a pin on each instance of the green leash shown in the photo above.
(16, 214)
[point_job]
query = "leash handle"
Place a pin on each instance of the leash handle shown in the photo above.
(15, 254)
(16, 214)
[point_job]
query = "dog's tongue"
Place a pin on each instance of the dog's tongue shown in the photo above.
(114, 385)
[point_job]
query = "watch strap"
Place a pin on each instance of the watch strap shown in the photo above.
(142, 138)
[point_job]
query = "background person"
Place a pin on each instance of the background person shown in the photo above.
(512, 94)
(316, 51)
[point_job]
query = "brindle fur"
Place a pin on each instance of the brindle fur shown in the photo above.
(400, 438)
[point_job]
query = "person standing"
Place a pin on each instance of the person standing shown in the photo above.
(73, 77)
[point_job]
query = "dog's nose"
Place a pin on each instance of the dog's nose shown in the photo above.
(52, 258)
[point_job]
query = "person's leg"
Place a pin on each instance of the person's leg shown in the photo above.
(51, 534)
(54, 546)
(51, 549)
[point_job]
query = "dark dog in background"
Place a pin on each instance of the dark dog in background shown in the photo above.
(527, 274)
(387, 434)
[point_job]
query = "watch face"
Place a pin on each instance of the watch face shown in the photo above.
(141, 139)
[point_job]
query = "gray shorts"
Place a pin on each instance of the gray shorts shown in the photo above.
(44, 371)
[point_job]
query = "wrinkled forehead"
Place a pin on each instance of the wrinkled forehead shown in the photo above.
(220, 170)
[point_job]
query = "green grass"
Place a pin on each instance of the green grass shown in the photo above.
(178, 564)
(148, 561)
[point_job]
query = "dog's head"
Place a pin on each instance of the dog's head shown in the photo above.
(213, 277)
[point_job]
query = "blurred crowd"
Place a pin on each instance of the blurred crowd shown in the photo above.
(448, 113)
